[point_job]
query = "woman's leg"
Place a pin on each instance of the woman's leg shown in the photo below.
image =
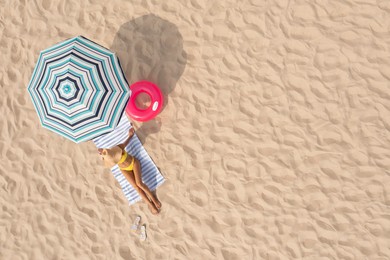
(130, 178)
(143, 186)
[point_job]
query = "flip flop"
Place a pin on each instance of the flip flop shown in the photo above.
(135, 225)
(142, 235)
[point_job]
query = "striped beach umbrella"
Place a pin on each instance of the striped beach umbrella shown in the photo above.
(78, 89)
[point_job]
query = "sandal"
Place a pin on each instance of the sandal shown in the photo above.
(135, 225)
(142, 235)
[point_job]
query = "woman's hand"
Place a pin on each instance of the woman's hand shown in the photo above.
(131, 132)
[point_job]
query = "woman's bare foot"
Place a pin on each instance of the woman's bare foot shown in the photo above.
(153, 209)
(157, 203)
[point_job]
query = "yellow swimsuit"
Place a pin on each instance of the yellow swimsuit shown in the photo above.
(124, 157)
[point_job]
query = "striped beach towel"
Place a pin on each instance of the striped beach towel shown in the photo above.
(151, 176)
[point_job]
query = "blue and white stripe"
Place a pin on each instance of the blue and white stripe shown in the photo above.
(78, 89)
(151, 176)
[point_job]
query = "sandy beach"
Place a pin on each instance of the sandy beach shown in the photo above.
(274, 137)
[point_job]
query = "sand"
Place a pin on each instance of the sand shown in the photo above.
(274, 138)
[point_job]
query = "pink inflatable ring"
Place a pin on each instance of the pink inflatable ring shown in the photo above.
(156, 99)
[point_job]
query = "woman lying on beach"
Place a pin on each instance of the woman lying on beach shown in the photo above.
(131, 169)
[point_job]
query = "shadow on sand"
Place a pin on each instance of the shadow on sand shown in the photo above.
(151, 48)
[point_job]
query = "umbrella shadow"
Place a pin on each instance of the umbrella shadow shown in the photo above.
(151, 48)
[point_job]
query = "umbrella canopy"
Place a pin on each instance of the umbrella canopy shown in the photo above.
(78, 89)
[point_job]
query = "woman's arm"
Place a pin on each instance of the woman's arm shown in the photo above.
(131, 133)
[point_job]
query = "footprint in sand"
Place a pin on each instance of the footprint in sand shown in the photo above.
(125, 253)
(199, 194)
